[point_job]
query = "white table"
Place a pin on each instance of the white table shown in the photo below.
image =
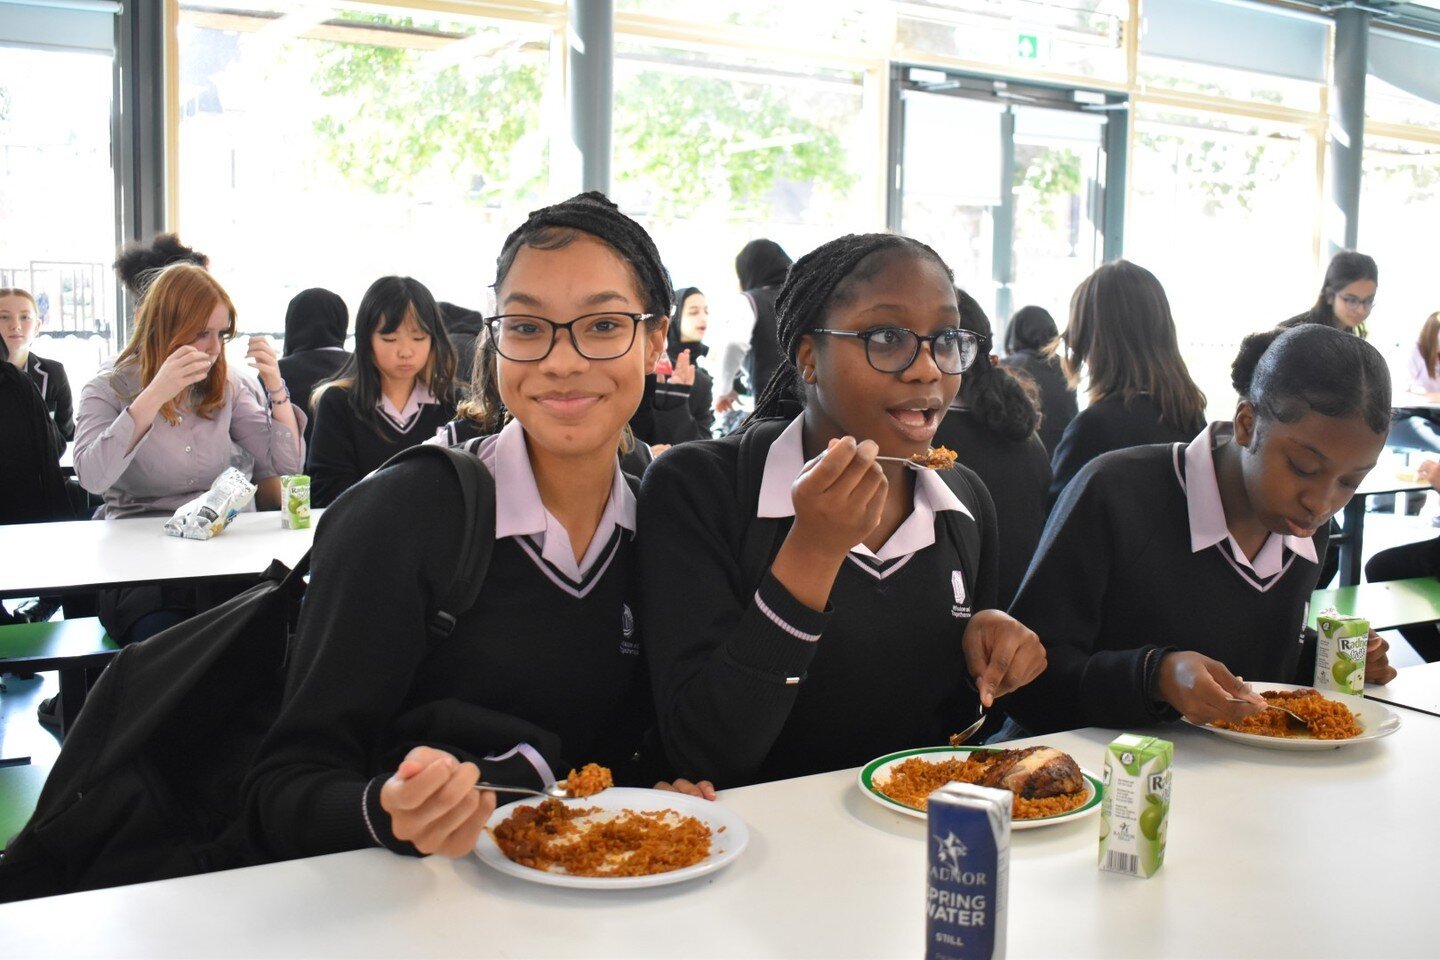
(1417, 688)
(47, 559)
(1259, 849)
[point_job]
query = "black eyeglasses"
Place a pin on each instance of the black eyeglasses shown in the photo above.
(595, 336)
(894, 349)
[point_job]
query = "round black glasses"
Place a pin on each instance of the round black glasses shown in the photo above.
(595, 336)
(894, 349)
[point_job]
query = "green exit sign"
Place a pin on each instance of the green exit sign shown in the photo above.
(1027, 46)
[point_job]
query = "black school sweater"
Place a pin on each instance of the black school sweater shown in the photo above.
(530, 662)
(1114, 584)
(1111, 424)
(54, 386)
(752, 685)
(343, 448)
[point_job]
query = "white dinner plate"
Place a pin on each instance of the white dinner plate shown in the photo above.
(1376, 721)
(728, 836)
(878, 770)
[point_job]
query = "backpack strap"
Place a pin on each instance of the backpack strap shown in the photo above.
(761, 537)
(477, 532)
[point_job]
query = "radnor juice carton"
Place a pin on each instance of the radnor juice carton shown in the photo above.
(1135, 813)
(295, 501)
(967, 880)
(1340, 659)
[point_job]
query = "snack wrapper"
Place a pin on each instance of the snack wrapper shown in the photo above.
(212, 511)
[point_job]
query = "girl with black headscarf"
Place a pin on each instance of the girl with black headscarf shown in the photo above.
(1031, 331)
(315, 324)
(677, 407)
(761, 267)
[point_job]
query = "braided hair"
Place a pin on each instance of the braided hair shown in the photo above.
(553, 228)
(1007, 403)
(825, 277)
(1286, 373)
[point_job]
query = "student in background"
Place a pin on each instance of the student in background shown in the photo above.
(19, 323)
(1028, 342)
(396, 391)
(1167, 572)
(677, 407)
(1418, 427)
(155, 426)
(991, 427)
(1347, 294)
(32, 489)
(463, 326)
(760, 266)
(1122, 337)
(136, 266)
(1409, 561)
(834, 609)
(383, 734)
(315, 325)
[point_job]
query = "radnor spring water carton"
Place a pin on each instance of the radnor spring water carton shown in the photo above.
(966, 883)
(1135, 814)
(1340, 658)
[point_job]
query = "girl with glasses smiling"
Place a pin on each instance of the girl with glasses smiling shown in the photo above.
(383, 735)
(837, 605)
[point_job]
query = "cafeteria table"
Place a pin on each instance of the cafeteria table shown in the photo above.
(1350, 541)
(1414, 688)
(74, 556)
(1271, 853)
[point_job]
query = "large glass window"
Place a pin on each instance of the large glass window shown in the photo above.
(328, 147)
(711, 152)
(1223, 211)
(57, 198)
(1398, 198)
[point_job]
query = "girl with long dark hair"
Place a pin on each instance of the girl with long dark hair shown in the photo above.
(393, 393)
(1028, 348)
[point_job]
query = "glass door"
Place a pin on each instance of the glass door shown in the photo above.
(1008, 183)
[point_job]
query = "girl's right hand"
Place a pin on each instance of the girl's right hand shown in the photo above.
(838, 498)
(433, 803)
(186, 366)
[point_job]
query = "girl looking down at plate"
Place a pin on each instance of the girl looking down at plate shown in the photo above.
(1168, 572)
(837, 607)
(383, 734)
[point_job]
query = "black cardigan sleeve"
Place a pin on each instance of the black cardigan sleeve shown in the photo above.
(334, 464)
(727, 663)
(64, 401)
(1093, 677)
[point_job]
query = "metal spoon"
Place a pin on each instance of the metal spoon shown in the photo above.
(907, 462)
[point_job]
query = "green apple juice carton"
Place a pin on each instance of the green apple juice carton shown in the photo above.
(967, 879)
(1340, 659)
(295, 501)
(1135, 813)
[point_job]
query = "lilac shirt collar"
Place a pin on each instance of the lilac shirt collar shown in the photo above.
(403, 420)
(519, 512)
(786, 459)
(1207, 512)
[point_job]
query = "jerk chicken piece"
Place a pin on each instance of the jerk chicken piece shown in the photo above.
(1034, 773)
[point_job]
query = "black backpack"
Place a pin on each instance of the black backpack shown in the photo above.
(147, 784)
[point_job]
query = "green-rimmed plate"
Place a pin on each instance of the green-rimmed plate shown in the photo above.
(877, 771)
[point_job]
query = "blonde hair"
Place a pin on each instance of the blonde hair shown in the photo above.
(174, 311)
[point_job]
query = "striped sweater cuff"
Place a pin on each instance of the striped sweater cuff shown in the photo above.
(777, 636)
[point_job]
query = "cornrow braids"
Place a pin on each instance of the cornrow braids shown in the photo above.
(823, 278)
(554, 227)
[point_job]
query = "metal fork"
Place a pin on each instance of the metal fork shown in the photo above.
(1291, 717)
(556, 791)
